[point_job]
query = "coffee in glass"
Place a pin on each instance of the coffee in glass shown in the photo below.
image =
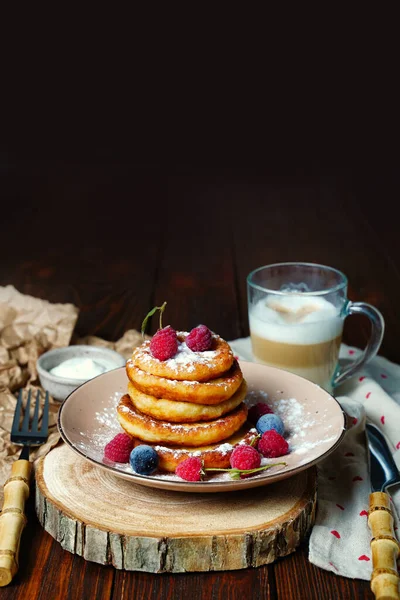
(296, 317)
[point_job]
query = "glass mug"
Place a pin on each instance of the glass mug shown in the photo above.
(296, 317)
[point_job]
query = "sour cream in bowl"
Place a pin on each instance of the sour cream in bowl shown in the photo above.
(62, 370)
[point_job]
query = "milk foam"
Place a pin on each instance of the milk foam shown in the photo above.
(295, 319)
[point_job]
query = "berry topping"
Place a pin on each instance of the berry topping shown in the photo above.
(257, 411)
(144, 460)
(272, 444)
(119, 448)
(199, 339)
(164, 343)
(270, 421)
(245, 457)
(190, 469)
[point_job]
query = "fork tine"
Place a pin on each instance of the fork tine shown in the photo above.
(25, 422)
(45, 418)
(35, 419)
(17, 414)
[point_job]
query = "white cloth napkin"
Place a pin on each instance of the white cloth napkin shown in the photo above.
(340, 538)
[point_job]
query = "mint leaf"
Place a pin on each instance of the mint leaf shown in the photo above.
(255, 440)
(237, 473)
(150, 314)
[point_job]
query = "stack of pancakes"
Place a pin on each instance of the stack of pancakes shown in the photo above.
(189, 405)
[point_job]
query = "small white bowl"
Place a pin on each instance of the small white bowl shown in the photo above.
(60, 387)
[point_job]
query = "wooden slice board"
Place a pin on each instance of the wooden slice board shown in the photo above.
(109, 520)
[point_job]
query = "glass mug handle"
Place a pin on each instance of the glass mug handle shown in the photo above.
(374, 342)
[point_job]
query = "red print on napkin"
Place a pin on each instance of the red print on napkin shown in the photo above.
(362, 378)
(355, 420)
(363, 557)
(398, 446)
(363, 513)
(351, 351)
(357, 478)
(383, 419)
(383, 376)
(340, 506)
(349, 454)
(335, 533)
(368, 395)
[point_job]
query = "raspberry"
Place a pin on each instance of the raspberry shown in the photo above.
(245, 457)
(119, 448)
(199, 339)
(272, 444)
(190, 469)
(164, 343)
(144, 460)
(271, 421)
(257, 411)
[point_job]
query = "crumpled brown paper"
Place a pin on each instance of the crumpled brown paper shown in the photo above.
(124, 345)
(28, 327)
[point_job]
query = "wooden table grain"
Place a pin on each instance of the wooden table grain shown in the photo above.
(117, 239)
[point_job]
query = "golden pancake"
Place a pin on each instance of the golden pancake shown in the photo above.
(147, 429)
(215, 456)
(186, 365)
(183, 412)
(205, 392)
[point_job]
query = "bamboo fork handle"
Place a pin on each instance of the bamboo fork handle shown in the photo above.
(385, 580)
(13, 519)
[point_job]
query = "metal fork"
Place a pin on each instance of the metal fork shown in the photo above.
(16, 488)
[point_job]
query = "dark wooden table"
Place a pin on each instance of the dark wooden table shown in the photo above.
(117, 239)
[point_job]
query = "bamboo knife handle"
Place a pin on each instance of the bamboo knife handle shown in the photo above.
(385, 580)
(13, 519)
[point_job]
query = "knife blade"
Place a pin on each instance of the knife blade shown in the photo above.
(385, 580)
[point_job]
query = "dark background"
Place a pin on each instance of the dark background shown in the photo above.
(126, 149)
(167, 160)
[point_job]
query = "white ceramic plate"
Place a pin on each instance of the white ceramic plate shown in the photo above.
(314, 423)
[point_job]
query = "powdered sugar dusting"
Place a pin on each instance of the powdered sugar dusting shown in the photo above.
(223, 448)
(302, 421)
(185, 358)
(310, 430)
(222, 382)
(106, 426)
